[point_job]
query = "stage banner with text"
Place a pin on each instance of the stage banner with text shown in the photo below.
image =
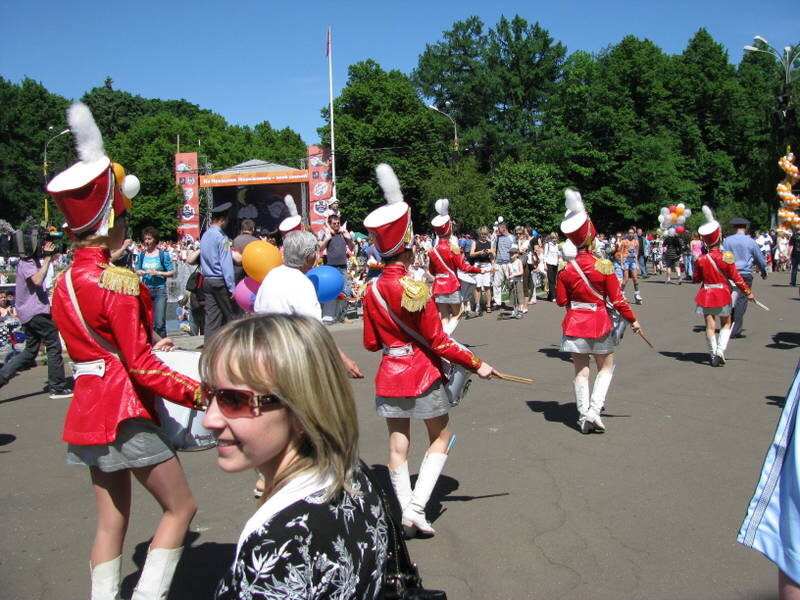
(188, 180)
(319, 186)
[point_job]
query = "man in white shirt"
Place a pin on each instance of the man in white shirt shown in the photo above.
(287, 290)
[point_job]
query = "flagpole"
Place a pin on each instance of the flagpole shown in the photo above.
(329, 52)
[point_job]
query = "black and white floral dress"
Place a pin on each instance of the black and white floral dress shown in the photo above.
(299, 546)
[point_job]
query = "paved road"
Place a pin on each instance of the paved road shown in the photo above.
(528, 507)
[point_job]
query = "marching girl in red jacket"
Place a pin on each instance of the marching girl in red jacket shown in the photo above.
(445, 259)
(401, 320)
(584, 286)
(105, 318)
(713, 271)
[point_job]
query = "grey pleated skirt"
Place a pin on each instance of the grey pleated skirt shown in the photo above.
(717, 311)
(433, 403)
(139, 443)
(581, 345)
(453, 298)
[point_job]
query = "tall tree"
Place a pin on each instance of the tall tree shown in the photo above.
(467, 189)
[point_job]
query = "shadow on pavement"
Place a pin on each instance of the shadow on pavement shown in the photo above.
(778, 401)
(21, 397)
(785, 340)
(700, 358)
(555, 352)
(198, 573)
(566, 414)
(6, 438)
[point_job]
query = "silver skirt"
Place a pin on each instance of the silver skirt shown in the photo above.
(453, 298)
(433, 403)
(139, 443)
(717, 311)
(581, 345)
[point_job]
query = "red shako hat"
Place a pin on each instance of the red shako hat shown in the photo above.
(94, 190)
(390, 224)
(710, 231)
(577, 225)
(442, 225)
(293, 222)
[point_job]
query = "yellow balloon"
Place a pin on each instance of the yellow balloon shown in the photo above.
(259, 258)
(679, 210)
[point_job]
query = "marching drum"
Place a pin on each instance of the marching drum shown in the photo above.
(457, 380)
(183, 426)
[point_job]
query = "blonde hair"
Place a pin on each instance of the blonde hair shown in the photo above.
(295, 358)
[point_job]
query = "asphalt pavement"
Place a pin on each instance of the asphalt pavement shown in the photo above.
(527, 506)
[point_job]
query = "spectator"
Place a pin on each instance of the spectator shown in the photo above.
(246, 235)
(33, 308)
(216, 266)
(794, 256)
(550, 258)
(745, 251)
(641, 252)
(336, 242)
(6, 310)
(502, 244)
(154, 266)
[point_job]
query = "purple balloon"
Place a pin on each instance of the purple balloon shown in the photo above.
(245, 293)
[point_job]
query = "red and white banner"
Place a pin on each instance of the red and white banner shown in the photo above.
(319, 186)
(188, 180)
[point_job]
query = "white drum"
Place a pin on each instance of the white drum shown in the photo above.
(183, 426)
(457, 381)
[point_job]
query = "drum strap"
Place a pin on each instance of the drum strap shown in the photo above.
(92, 333)
(410, 332)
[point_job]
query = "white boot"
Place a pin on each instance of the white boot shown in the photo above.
(712, 349)
(414, 514)
(450, 326)
(401, 482)
(599, 390)
(159, 567)
(722, 344)
(105, 579)
(580, 386)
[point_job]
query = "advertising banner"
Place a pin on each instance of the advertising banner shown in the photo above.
(254, 178)
(319, 186)
(187, 179)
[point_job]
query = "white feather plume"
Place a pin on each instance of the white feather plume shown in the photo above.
(289, 202)
(88, 140)
(708, 214)
(573, 200)
(442, 206)
(389, 183)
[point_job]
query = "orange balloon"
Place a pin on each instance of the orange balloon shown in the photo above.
(679, 210)
(259, 258)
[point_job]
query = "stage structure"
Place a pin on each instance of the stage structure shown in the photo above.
(256, 189)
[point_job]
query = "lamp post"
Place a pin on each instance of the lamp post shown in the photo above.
(44, 167)
(452, 120)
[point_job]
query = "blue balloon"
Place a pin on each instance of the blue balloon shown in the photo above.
(328, 281)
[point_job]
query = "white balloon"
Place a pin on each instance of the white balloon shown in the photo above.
(131, 186)
(664, 210)
(681, 205)
(687, 213)
(671, 231)
(681, 220)
(661, 218)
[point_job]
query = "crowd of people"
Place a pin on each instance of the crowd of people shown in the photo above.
(273, 386)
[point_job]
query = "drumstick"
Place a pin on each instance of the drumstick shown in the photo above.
(641, 333)
(451, 444)
(514, 378)
(764, 306)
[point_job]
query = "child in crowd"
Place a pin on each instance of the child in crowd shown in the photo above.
(513, 272)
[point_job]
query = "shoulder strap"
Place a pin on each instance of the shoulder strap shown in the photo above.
(92, 333)
(716, 267)
(602, 298)
(441, 260)
(410, 332)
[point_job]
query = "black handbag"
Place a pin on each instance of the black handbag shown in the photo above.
(194, 281)
(401, 580)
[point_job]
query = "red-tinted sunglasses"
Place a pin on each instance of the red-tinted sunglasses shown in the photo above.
(236, 404)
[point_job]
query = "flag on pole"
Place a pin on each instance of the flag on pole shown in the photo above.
(328, 42)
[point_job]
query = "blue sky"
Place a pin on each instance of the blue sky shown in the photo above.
(254, 61)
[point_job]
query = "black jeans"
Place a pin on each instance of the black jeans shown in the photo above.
(740, 307)
(552, 274)
(40, 329)
(219, 310)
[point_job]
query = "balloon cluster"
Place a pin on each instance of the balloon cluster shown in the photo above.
(260, 257)
(672, 218)
(787, 217)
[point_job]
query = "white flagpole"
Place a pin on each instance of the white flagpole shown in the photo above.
(329, 52)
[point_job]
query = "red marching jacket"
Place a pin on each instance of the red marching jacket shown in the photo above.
(407, 369)
(444, 269)
(587, 316)
(120, 313)
(715, 289)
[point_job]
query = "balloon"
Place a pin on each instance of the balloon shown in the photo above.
(664, 210)
(661, 219)
(245, 293)
(671, 231)
(680, 229)
(673, 215)
(687, 213)
(681, 220)
(259, 258)
(679, 210)
(328, 281)
(682, 206)
(671, 208)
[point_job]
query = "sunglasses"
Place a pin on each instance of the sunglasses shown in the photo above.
(237, 404)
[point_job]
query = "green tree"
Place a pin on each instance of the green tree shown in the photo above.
(467, 189)
(526, 193)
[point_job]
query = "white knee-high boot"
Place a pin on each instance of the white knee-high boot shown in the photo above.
(414, 514)
(105, 579)
(599, 390)
(722, 344)
(157, 573)
(712, 349)
(580, 386)
(401, 482)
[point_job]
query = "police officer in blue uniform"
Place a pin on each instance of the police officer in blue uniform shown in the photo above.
(216, 266)
(745, 251)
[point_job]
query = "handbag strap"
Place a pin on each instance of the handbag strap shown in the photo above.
(92, 333)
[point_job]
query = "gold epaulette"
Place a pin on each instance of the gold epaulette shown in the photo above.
(119, 279)
(604, 266)
(455, 249)
(728, 257)
(415, 294)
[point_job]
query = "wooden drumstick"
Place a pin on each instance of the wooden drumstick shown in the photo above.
(514, 378)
